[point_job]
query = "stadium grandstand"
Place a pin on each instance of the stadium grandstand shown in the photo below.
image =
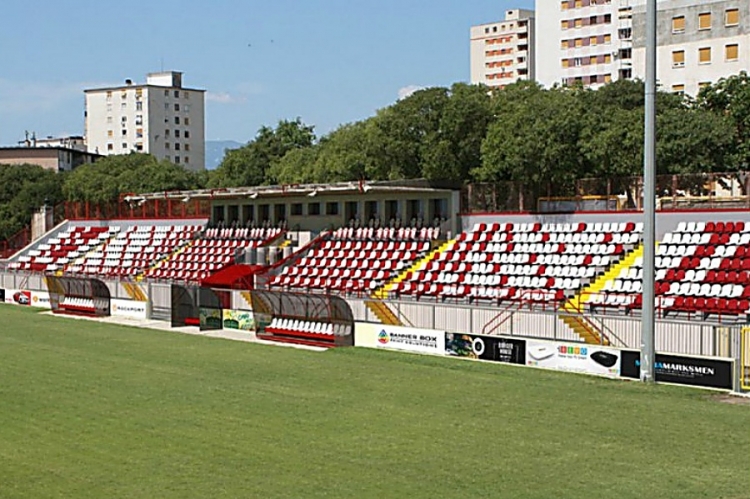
(409, 253)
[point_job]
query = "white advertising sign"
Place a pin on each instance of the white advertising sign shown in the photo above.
(18, 297)
(128, 308)
(40, 299)
(399, 338)
(573, 357)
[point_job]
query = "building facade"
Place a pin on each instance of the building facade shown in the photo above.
(503, 52)
(587, 42)
(698, 42)
(161, 118)
(56, 158)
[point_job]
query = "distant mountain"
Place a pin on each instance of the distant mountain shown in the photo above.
(215, 151)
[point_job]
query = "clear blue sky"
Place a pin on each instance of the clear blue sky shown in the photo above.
(327, 61)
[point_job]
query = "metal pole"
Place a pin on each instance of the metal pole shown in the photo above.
(649, 200)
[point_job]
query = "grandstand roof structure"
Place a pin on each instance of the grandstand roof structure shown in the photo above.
(311, 190)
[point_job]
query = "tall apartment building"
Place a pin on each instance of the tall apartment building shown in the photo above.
(160, 117)
(503, 52)
(698, 42)
(583, 41)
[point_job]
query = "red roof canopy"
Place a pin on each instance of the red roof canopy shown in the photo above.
(234, 277)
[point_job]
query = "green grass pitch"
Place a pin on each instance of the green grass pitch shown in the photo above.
(89, 410)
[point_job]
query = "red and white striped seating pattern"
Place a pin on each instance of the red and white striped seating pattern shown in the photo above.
(700, 267)
(58, 251)
(212, 252)
(133, 250)
(530, 261)
(357, 260)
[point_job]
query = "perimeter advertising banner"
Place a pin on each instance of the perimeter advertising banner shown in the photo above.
(128, 308)
(681, 369)
(406, 339)
(40, 299)
(18, 297)
(2, 295)
(238, 319)
(490, 348)
(573, 357)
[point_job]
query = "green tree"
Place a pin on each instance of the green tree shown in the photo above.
(251, 164)
(24, 189)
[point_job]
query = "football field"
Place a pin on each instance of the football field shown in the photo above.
(89, 410)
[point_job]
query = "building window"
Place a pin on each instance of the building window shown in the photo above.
(176, 94)
(139, 146)
(166, 146)
(176, 120)
(139, 119)
(296, 209)
(124, 94)
(332, 208)
(186, 95)
(578, 23)
(166, 93)
(176, 107)
(678, 24)
(608, 39)
(704, 55)
(177, 160)
(110, 147)
(166, 132)
(177, 134)
(678, 88)
(138, 93)
(176, 146)
(123, 105)
(678, 58)
(607, 58)
(124, 132)
(187, 132)
(124, 120)
(704, 84)
(109, 95)
(186, 108)
(109, 120)
(732, 52)
(732, 17)
(564, 44)
(608, 78)
(186, 146)
(565, 63)
(166, 106)
(109, 107)
(564, 5)
(124, 145)
(139, 133)
(139, 106)
(313, 208)
(187, 121)
(704, 20)
(186, 159)
(594, 40)
(579, 42)
(110, 133)
(563, 25)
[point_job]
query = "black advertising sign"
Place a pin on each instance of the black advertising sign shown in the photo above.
(2, 295)
(694, 371)
(492, 348)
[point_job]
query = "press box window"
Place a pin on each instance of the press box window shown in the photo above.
(332, 208)
(296, 209)
(313, 209)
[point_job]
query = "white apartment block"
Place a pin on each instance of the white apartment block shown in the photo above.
(161, 118)
(586, 42)
(698, 42)
(503, 52)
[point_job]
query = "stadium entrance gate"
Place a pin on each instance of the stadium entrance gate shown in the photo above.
(78, 295)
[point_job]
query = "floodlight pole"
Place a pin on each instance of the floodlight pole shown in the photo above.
(649, 201)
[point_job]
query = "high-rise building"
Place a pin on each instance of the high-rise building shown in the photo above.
(583, 41)
(503, 52)
(698, 42)
(160, 117)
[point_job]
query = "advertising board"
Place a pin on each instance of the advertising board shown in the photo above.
(573, 357)
(2, 295)
(40, 299)
(490, 348)
(406, 339)
(128, 308)
(18, 297)
(238, 319)
(681, 369)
